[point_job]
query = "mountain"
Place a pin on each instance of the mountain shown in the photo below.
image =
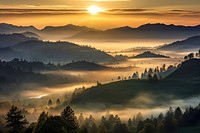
(184, 45)
(147, 31)
(149, 54)
(9, 28)
(13, 39)
(74, 32)
(31, 35)
(144, 93)
(84, 65)
(56, 52)
(63, 32)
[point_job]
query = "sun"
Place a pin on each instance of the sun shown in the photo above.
(94, 9)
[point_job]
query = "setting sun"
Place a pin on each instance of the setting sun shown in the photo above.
(94, 9)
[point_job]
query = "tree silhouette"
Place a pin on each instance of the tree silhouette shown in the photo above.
(58, 101)
(15, 120)
(150, 77)
(178, 115)
(191, 56)
(155, 77)
(149, 128)
(50, 102)
(71, 122)
(40, 122)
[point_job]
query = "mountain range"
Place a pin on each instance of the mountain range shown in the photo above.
(71, 32)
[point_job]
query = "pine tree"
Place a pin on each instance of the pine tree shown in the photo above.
(178, 115)
(15, 120)
(40, 122)
(71, 122)
(58, 101)
(50, 102)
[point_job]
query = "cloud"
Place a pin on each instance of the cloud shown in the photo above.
(113, 11)
(41, 11)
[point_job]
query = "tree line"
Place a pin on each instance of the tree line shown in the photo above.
(67, 122)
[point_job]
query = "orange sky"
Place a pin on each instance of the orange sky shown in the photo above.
(116, 12)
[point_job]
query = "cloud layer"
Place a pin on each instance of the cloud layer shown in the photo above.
(115, 11)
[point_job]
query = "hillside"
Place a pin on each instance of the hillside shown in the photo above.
(188, 70)
(37, 66)
(149, 54)
(184, 45)
(84, 65)
(13, 39)
(31, 35)
(144, 93)
(56, 52)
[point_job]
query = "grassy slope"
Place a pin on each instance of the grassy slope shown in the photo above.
(147, 93)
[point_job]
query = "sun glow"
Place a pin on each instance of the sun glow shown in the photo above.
(94, 9)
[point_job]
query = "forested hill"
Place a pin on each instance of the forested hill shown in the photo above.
(183, 83)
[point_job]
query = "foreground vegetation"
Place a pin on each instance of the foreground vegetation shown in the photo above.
(173, 121)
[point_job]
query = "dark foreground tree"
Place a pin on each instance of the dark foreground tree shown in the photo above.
(54, 124)
(71, 122)
(15, 120)
(40, 122)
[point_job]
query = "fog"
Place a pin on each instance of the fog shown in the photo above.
(123, 44)
(36, 97)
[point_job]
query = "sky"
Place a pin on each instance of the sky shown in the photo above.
(113, 13)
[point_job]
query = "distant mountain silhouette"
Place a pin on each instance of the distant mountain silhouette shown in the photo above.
(63, 32)
(13, 39)
(149, 54)
(184, 45)
(147, 31)
(56, 52)
(9, 28)
(71, 32)
(84, 65)
(183, 83)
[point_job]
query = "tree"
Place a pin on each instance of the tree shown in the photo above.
(40, 122)
(199, 52)
(149, 128)
(15, 120)
(58, 101)
(160, 128)
(191, 56)
(84, 130)
(178, 115)
(120, 128)
(54, 124)
(81, 119)
(50, 102)
(155, 77)
(169, 121)
(71, 122)
(186, 57)
(118, 77)
(150, 77)
(130, 123)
